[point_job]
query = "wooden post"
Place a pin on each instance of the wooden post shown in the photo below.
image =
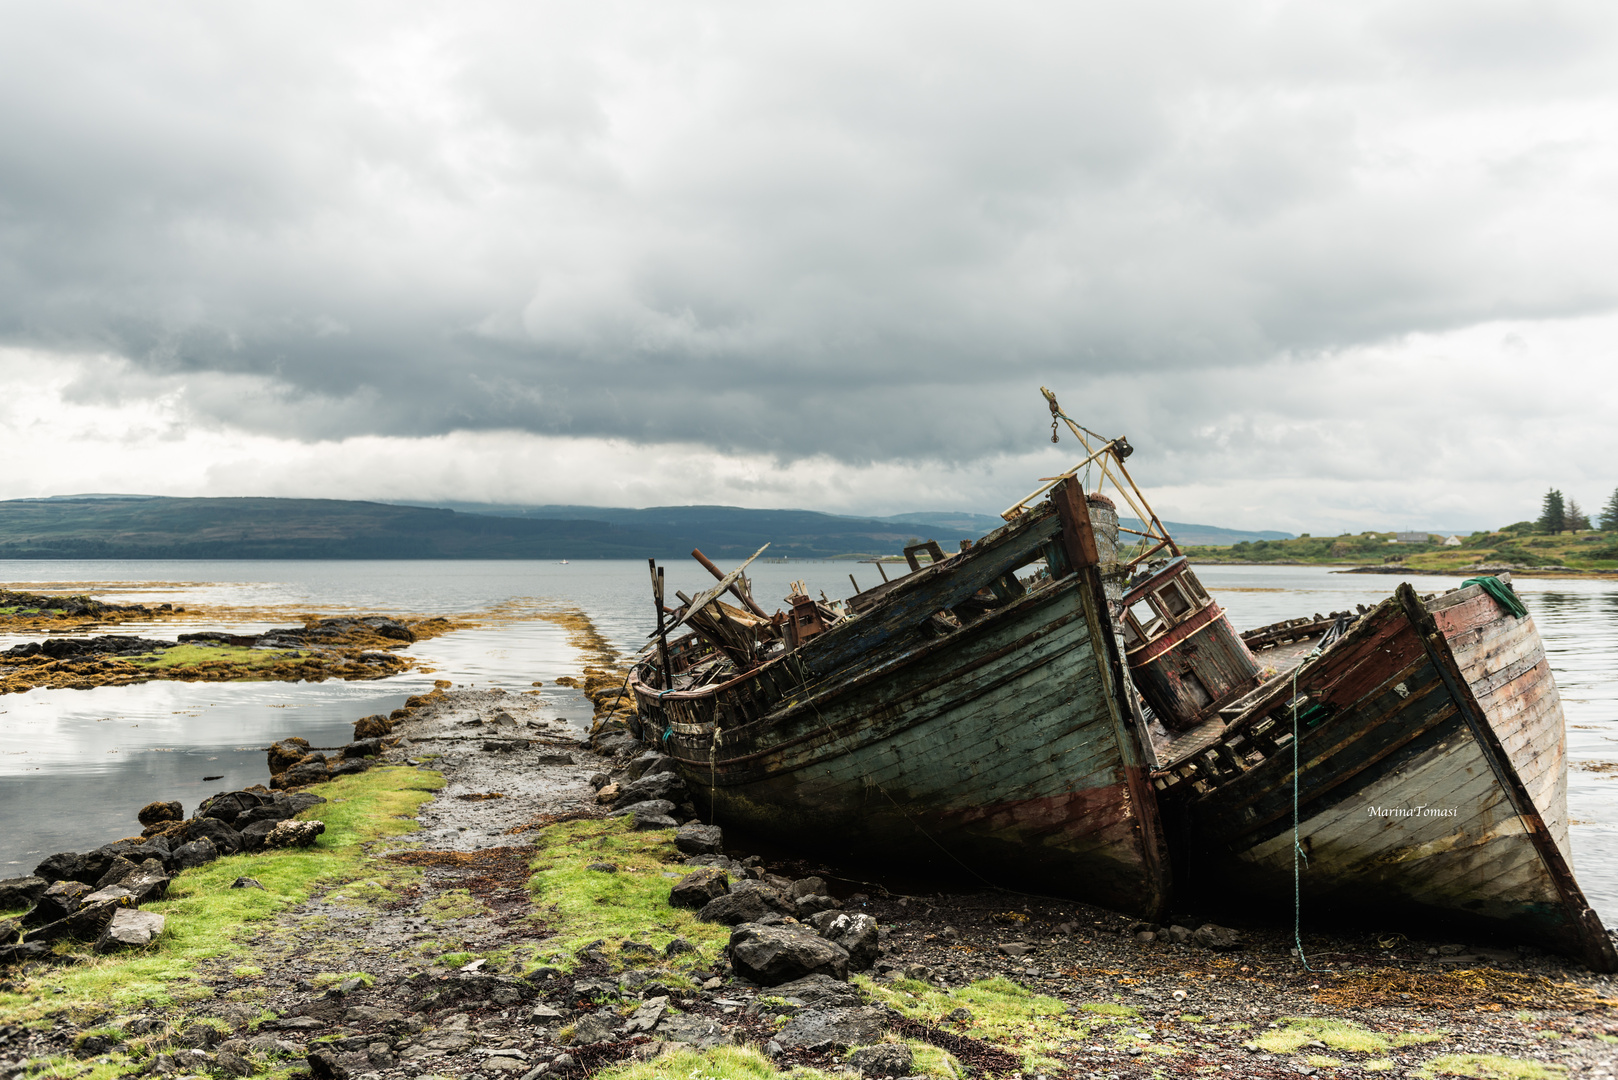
(1078, 538)
(662, 635)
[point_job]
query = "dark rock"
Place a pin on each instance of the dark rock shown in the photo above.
(678, 947)
(809, 886)
(771, 955)
(154, 812)
(323, 1065)
(63, 866)
(271, 812)
(650, 806)
(363, 748)
(116, 872)
(298, 801)
(648, 763)
(884, 1059)
(230, 1063)
(351, 766)
(747, 901)
(226, 839)
(1218, 938)
(312, 770)
(247, 883)
(253, 835)
(92, 919)
(149, 882)
(196, 853)
(857, 933)
(655, 821)
(594, 1028)
(699, 839)
(663, 785)
(820, 1030)
(819, 992)
(1179, 935)
(805, 906)
(57, 902)
(605, 868)
(22, 951)
(1016, 950)
(287, 753)
(699, 888)
(19, 892)
(223, 807)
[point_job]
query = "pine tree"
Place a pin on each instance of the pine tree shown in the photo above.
(1577, 519)
(1553, 513)
(1609, 513)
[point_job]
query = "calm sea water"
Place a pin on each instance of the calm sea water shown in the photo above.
(75, 765)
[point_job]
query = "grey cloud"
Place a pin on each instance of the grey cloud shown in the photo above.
(861, 232)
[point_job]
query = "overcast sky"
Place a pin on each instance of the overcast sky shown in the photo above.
(1329, 266)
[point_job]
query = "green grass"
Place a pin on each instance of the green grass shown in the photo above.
(1298, 1032)
(1490, 1067)
(1003, 1013)
(634, 902)
(194, 655)
(720, 1063)
(208, 919)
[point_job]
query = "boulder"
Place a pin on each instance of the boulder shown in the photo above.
(856, 933)
(116, 872)
(324, 1065)
(58, 901)
(1218, 938)
(363, 748)
(225, 838)
(804, 907)
(883, 1059)
(298, 801)
(599, 1026)
(771, 955)
(196, 853)
(294, 834)
(91, 919)
(157, 847)
(20, 892)
(287, 753)
(21, 951)
(129, 928)
(351, 766)
(372, 727)
(742, 905)
(650, 806)
(271, 812)
(698, 839)
(819, 992)
(63, 866)
(311, 770)
(699, 887)
(650, 762)
(111, 892)
(225, 807)
(809, 886)
(820, 1030)
(147, 883)
(155, 812)
(663, 785)
(654, 821)
(253, 835)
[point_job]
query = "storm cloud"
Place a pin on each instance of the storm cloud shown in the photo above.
(855, 235)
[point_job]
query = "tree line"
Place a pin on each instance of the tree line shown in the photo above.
(1558, 514)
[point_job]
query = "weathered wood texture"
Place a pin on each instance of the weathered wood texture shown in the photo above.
(1005, 746)
(1409, 802)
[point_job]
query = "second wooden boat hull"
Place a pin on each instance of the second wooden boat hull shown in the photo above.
(1410, 804)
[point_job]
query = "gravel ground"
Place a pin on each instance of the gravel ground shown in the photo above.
(1118, 1005)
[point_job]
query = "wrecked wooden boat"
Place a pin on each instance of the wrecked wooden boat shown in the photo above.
(1407, 763)
(974, 713)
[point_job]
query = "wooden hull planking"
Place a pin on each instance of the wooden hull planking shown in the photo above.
(1008, 747)
(1427, 743)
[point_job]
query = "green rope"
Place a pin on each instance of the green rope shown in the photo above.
(1502, 593)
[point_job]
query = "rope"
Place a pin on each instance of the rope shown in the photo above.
(1297, 848)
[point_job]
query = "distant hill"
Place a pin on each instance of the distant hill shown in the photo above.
(155, 527)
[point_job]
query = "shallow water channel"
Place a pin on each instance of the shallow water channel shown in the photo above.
(75, 765)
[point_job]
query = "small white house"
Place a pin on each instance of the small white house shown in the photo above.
(1452, 541)
(1412, 538)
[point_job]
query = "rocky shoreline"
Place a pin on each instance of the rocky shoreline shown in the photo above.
(546, 905)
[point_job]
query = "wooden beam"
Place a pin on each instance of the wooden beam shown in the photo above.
(1078, 538)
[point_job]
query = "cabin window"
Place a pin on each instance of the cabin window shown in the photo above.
(1146, 616)
(1173, 600)
(1132, 634)
(1196, 586)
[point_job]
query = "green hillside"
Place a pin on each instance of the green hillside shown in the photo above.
(1520, 545)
